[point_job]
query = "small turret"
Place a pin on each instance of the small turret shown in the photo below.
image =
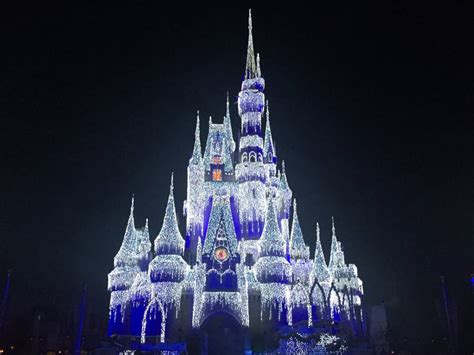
(268, 146)
(196, 158)
(168, 264)
(336, 258)
(298, 248)
(272, 242)
(169, 240)
(228, 126)
(127, 252)
(320, 271)
(283, 179)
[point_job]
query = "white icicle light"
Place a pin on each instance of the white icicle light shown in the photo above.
(238, 203)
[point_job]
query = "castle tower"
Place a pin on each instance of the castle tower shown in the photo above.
(194, 205)
(120, 279)
(299, 252)
(272, 269)
(250, 171)
(166, 272)
(320, 281)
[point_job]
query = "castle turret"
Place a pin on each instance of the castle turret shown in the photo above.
(336, 258)
(194, 205)
(166, 272)
(298, 248)
(120, 279)
(168, 264)
(320, 268)
(299, 251)
(250, 171)
(269, 151)
(272, 269)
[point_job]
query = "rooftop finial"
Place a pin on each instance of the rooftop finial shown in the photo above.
(172, 183)
(317, 231)
(250, 20)
(333, 227)
(132, 206)
(227, 110)
(283, 167)
(268, 112)
(210, 120)
(197, 133)
(250, 67)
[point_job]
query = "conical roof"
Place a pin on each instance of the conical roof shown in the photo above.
(271, 241)
(320, 270)
(298, 248)
(169, 240)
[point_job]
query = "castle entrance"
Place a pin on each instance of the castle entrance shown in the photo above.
(222, 334)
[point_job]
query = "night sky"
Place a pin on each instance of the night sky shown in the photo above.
(371, 108)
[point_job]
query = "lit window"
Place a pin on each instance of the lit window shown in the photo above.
(217, 175)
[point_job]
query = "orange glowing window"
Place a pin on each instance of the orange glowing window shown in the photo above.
(217, 175)
(216, 160)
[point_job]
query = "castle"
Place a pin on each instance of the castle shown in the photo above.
(241, 264)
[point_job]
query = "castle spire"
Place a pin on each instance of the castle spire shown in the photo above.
(298, 248)
(336, 258)
(320, 267)
(271, 241)
(196, 158)
(250, 67)
(283, 180)
(169, 240)
(268, 146)
(127, 250)
(228, 125)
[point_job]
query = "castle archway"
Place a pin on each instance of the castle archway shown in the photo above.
(222, 334)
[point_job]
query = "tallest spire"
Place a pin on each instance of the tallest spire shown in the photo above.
(251, 67)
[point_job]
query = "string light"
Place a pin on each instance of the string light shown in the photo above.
(237, 229)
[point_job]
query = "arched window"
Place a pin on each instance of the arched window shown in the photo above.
(260, 157)
(270, 157)
(252, 157)
(244, 157)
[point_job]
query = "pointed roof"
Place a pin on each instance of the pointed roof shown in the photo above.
(228, 125)
(126, 253)
(268, 146)
(320, 270)
(250, 66)
(196, 158)
(336, 258)
(221, 224)
(283, 180)
(169, 240)
(298, 248)
(272, 242)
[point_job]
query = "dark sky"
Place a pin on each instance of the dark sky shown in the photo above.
(371, 108)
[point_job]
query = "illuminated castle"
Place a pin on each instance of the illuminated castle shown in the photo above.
(241, 262)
